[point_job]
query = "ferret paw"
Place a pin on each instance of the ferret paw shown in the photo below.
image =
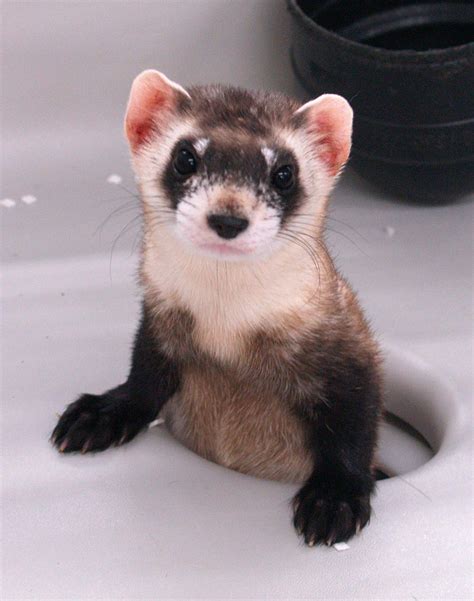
(324, 516)
(94, 423)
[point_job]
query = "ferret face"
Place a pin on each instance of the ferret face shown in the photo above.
(231, 197)
(233, 175)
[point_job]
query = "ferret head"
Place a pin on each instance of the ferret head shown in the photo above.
(233, 174)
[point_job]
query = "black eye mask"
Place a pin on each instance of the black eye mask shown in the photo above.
(235, 166)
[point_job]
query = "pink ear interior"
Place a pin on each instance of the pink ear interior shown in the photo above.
(153, 98)
(329, 121)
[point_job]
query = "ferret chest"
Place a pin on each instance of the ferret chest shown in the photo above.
(222, 307)
(235, 425)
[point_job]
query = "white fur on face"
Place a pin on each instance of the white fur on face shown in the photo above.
(192, 228)
(200, 145)
(269, 155)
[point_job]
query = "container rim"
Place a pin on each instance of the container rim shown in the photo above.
(434, 56)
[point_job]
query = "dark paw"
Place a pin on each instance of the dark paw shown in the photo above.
(94, 423)
(325, 514)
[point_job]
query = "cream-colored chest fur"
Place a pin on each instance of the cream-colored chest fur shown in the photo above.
(231, 300)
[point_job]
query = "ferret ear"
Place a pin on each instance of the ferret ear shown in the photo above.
(153, 98)
(328, 121)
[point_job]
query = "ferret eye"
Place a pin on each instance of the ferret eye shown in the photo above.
(185, 163)
(283, 178)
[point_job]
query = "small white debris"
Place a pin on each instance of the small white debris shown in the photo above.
(114, 179)
(8, 203)
(341, 546)
(156, 422)
(389, 230)
(28, 199)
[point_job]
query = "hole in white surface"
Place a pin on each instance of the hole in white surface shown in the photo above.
(401, 447)
(421, 414)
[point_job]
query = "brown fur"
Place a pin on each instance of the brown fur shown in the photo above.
(228, 421)
(250, 113)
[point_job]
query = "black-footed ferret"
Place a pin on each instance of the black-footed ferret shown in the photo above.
(251, 345)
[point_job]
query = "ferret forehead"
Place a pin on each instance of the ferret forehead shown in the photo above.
(236, 147)
(237, 110)
(242, 157)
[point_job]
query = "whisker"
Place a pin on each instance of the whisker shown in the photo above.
(334, 231)
(312, 253)
(126, 228)
(348, 226)
(128, 206)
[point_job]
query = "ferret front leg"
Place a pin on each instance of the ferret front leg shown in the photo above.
(95, 422)
(334, 503)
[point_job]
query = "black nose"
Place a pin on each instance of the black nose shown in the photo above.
(227, 226)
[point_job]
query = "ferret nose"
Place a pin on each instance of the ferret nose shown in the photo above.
(227, 226)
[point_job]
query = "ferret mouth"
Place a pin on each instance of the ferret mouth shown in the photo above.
(221, 249)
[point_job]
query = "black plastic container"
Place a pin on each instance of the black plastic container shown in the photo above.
(407, 67)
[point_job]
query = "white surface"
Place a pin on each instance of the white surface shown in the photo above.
(151, 519)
